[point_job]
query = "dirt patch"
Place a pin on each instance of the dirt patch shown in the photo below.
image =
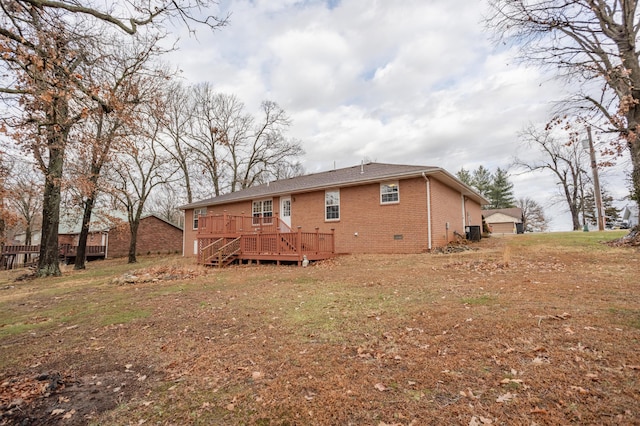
(62, 398)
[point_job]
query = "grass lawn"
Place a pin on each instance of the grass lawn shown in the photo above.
(525, 329)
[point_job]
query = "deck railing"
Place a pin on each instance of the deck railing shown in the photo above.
(287, 243)
(68, 250)
(20, 249)
(259, 236)
(232, 224)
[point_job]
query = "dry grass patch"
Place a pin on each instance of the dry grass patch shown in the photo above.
(531, 329)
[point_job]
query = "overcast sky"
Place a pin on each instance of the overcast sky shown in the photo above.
(408, 82)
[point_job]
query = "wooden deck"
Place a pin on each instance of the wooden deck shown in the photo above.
(224, 239)
(68, 252)
(10, 255)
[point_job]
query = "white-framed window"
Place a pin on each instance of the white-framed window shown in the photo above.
(262, 211)
(332, 205)
(389, 193)
(198, 212)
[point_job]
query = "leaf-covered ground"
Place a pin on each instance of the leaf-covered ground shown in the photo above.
(530, 329)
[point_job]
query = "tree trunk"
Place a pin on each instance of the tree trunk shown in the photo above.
(575, 218)
(634, 149)
(133, 228)
(187, 181)
(81, 252)
(48, 264)
(27, 240)
(633, 143)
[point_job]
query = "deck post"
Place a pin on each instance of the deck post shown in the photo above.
(333, 240)
(278, 239)
(317, 240)
(299, 245)
(259, 238)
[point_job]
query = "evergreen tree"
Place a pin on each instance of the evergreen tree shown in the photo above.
(500, 192)
(482, 180)
(465, 176)
(611, 213)
(496, 187)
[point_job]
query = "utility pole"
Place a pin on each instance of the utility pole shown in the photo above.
(596, 181)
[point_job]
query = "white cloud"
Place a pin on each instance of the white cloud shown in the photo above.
(410, 82)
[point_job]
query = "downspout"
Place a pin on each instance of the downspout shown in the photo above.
(106, 246)
(184, 232)
(464, 214)
(424, 175)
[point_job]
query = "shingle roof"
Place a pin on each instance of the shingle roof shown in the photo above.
(101, 221)
(515, 212)
(349, 176)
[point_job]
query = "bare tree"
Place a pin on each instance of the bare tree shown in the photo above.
(140, 167)
(218, 122)
(44, 71)
(126, 75)
(25, 197)
(179, 121)
(237, 150)
(592, 42)
(565, 160)
(267, 151)
(49, 49)
(166, 204)
(8, 216)
(533, 217)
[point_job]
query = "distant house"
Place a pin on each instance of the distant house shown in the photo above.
(504, 221)
(111, 230)
(109, 235)
(370, 208)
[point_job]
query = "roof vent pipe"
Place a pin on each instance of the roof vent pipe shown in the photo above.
(362, 167)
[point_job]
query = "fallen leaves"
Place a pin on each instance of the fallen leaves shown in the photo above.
(579, 389)
(468, 393)
(508, 381)
(380, 387)
(562, 316)
(506, 397)
(480, 421)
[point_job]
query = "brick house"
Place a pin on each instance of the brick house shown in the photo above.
(370, 208)
(155, 235)
(109, 235)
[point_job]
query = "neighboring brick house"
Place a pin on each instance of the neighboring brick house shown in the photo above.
(111, 230)
(371, 208)
(155, 235)
(504, 221)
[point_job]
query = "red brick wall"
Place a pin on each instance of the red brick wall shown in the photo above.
(154, 235)
(67, 239)
(381, 228)
(474, 213)
(446, 206)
